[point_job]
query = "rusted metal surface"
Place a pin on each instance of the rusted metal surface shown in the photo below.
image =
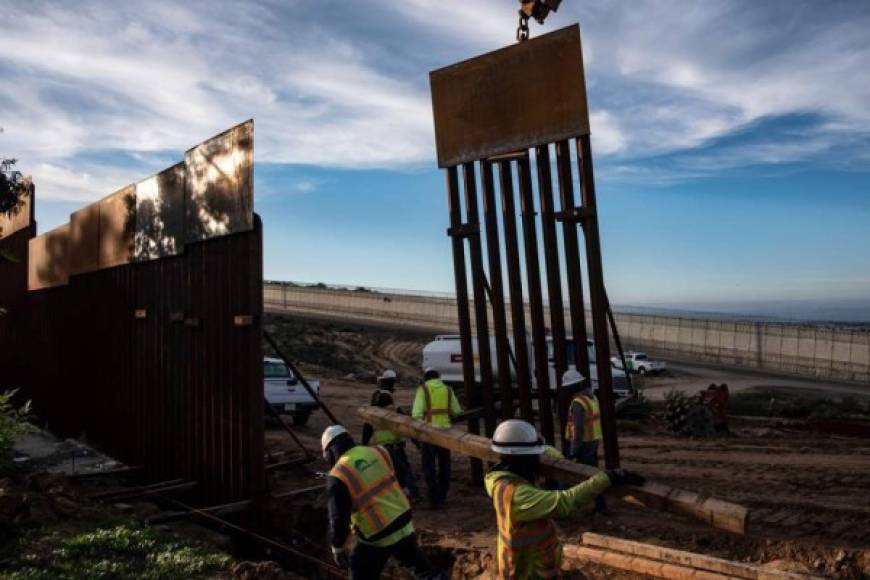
(510, 99)
(515, 288)
(598, 301)
(160, 215)
(554, 286)
(495, 110)
(84, 240)
(117, 227)
(456, 236)
(48, 259)
(481, 319)
(219, 184)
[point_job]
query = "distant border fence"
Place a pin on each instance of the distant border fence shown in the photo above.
(139, 325)
(808, 350)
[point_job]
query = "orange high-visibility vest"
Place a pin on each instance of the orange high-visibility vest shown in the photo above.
(591, 418)
(525, 549)
(370, 478)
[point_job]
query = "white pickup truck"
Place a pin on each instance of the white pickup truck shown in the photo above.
(444, 354)
(285, 393)
(639, 363)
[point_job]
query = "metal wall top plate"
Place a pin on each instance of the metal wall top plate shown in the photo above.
(117, 225)
(160, 214)
(84, 239)
(48, 258)
(511, 99)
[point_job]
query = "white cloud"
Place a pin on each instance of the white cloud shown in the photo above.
(346, 85)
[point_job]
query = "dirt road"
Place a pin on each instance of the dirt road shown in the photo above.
(807, 492)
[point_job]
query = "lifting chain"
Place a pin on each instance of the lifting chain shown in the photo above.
(523, 28)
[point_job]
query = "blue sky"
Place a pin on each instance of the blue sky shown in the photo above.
(731, 139)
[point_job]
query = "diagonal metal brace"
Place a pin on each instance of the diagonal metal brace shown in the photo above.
(464, 231)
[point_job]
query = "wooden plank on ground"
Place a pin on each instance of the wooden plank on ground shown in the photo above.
(689, 559)
(717, 513)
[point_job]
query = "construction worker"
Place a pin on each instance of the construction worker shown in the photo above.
(395, 444)
(436, 403)
(583, 426)
(528, 544)
(365, 497)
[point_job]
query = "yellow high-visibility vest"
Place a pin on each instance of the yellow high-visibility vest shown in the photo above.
(525, 549)
(370, 478)
(591, 418)
(437, 403)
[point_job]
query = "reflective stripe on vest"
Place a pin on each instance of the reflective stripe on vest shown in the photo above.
(591, 418)
(437, 403)
(525, 549)
(371, 480)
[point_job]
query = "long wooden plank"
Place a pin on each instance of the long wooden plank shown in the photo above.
(577, 554)
(717, 513)
(689, 559)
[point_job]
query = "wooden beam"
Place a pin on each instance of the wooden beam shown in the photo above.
(717, 513)
(727, 568)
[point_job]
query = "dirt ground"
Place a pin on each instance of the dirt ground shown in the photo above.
(807, 491)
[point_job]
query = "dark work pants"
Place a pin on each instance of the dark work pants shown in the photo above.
(397, 451)
(436, 470)
(367, 561)
(588, 455)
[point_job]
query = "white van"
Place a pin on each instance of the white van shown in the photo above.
(444, 354)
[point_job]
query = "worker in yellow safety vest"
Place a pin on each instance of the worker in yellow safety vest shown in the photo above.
(583, 426)
(395, 444)
(435, 403)
(528, 542)
(364, 497)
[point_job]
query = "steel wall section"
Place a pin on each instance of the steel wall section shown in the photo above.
(145, 360)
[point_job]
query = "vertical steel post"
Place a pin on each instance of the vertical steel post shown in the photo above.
(456, 234)
(478, 282)
(499, 318)
(554, 283)
(572, 258)
(536, 302)
(515, 288)
(599, 304)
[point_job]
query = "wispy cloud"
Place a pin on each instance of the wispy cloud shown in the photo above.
(346, 85)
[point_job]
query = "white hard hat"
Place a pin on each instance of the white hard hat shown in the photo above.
(572, 377)
(387, 374)
(329, 435)
(517, 437)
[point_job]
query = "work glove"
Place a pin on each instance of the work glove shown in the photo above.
(340, 557)
(621, 476)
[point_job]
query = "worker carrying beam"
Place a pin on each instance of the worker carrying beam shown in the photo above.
(583, 427)
(365, 497)
(436, 403)
(528, 543)
(395, 444)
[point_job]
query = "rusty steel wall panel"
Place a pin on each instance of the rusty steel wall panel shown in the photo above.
(48, 256)
(160, 215)
(117, 227)
(219, 184)
(84, 240)
(153, 369)
(14, 221)
(511, 99)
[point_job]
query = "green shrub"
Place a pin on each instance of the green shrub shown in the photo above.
(13, 423)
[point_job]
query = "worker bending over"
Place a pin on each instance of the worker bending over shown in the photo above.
(365, 497)
(395, 444)
(583, 427)
(528, 543)
(436, 403)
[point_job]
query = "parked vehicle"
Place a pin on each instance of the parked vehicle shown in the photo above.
(444, 354)
(640, 363)
(285, 393)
